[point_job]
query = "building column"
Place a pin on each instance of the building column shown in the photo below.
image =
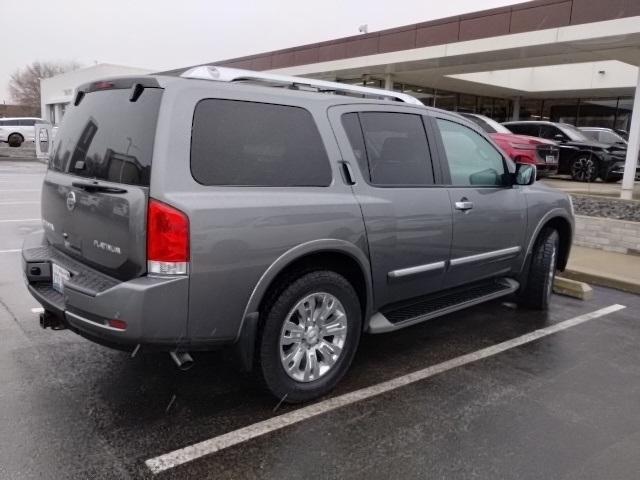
(388, 81)
(631, 162)
(516, 109)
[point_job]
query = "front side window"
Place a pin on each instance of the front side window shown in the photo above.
(551, 133)
(395, 145)
(239, 143)
(472, 159)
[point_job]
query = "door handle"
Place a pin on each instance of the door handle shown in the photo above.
(464, 205)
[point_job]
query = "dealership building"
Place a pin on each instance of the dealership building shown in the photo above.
(573, 61)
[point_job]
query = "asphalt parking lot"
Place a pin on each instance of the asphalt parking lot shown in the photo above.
(500, 393)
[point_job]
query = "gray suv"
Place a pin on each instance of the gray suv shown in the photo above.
(281, 216)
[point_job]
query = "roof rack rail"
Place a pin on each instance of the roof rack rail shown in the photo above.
(224, 74)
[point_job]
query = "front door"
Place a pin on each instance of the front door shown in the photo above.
(489, 217)
(407, 217)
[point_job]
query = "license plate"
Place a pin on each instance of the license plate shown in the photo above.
(59, 277)
(551, 159)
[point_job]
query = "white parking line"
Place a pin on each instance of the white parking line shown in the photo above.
(15, 250)
(187, 454)
(20, 220)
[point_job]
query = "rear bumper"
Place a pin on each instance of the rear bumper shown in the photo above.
(545, 169)
(154, 308)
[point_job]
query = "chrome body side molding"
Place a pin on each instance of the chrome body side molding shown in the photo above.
(405, 272)
(481, 257)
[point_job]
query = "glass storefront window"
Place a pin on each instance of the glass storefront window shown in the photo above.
(467, 103)
(501, 110)
(424, 94)
(446, 100)
(530, 109)
(597, 112)
(562, 111)
(623, 114)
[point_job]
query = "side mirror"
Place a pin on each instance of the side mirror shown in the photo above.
(558, 137)
(525, 174)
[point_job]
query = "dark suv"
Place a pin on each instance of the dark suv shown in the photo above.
(581, 157)
(183, 214)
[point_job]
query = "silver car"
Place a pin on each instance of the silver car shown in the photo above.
(283, 217)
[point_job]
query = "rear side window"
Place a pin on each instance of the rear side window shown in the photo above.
(108, 137)
(395, 145)
(256, 144)
(525, 129)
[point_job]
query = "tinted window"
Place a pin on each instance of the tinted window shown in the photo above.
(256, 144)
(610, 138)
(351, 125)
(592, 134)
(107, 137)
(549, 132)
(26, 123)
(397, 149)
(472, 159)
(524, 129)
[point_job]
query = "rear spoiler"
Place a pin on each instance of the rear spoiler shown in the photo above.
(136, 84)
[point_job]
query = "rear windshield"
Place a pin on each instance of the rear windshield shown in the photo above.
(108, 137)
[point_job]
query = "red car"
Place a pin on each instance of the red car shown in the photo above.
(544, 154)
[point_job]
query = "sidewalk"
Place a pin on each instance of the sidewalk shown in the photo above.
(607, 269)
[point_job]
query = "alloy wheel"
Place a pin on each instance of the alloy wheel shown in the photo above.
(583, 169)
(313, 336)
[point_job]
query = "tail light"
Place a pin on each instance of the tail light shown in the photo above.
(167, 240)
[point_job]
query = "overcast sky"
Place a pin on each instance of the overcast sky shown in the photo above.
(162, 34)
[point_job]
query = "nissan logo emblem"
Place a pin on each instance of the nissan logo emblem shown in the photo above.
(71, 201)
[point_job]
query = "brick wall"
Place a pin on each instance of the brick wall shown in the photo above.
(605, 234)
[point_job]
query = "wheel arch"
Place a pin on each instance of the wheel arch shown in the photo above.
(15, 133)
(337, 255)
(562, 222)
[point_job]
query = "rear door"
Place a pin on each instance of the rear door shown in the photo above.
(407, 216)
(94, 197)
(489, 217)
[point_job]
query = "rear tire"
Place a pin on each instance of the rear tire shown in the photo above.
(542, 271)
(309, 336)
(15, 140)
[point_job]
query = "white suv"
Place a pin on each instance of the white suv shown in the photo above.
(15, 131)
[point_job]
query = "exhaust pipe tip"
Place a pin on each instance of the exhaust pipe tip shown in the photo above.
(183, 360)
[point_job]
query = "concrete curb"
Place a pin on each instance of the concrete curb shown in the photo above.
(604, 280)
(572, 288)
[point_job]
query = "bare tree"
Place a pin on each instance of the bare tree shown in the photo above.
(24, 83)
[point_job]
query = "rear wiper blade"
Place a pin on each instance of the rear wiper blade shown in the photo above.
(96, 187)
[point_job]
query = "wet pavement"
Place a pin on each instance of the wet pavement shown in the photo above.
(566, 406)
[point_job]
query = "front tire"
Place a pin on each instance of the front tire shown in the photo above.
(542, 272)
(309, 336)
(584, 168)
